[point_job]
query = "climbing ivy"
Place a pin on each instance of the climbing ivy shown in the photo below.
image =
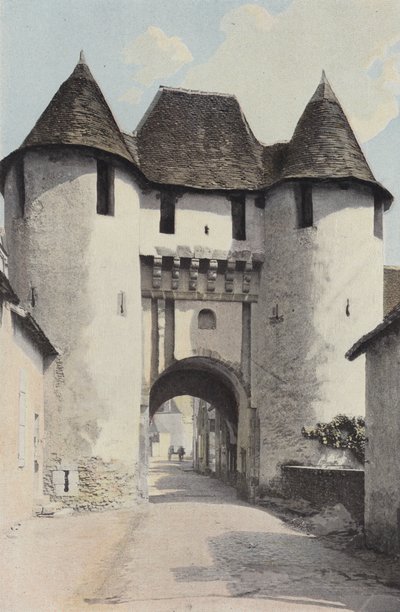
(341, 432)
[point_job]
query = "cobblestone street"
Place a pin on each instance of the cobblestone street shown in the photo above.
(194, 547)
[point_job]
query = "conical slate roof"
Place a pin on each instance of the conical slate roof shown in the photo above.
(78, 114)
(323, 144)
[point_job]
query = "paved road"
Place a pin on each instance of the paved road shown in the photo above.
(194, 548)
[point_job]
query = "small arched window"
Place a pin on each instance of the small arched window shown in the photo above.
(207, 319)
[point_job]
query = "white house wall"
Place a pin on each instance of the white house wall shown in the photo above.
(21, 370)
(382, 465)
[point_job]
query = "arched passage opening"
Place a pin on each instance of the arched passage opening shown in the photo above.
(224, 399)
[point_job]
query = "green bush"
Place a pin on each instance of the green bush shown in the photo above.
(341, 432)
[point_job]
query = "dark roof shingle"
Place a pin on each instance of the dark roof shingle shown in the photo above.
(78, 114)
(391, 288)
(199, 140)
(6, 291)
(323, 144)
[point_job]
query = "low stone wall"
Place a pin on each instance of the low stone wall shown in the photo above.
(92, 484)
(326, 486)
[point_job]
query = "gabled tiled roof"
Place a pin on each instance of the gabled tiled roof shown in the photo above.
(391, 288)
(323, 144)
(31, 328)
(199, 140)
(390, 323)
(78, 114)
(6, 291)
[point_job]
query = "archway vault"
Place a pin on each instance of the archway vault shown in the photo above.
(203, 377)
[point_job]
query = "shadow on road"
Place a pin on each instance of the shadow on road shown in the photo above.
(173, 482)
(296, 569)
(279, 565)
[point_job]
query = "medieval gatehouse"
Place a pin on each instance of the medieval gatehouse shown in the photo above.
(188, 258)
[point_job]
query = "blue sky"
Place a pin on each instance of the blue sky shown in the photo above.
(269, 53)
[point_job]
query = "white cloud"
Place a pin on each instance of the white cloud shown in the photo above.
(132, 96)
(273, 63)
(156, 55)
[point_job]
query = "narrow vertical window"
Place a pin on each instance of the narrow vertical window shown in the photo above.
(306, 205)
(378, 217)
(167, 214)
(36, 431)
(33, 297)
(20, 187)
(22, 419)
(238, 204)
(105, 188)
(122, 304)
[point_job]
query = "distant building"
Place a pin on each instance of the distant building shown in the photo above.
(382, 458)
(25, 353)
(188, 258)
(173, 422)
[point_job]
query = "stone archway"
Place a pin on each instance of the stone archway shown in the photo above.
(202, 377)
(218, 385)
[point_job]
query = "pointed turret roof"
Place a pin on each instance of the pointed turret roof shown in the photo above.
(79, 115)
(323, 144)
(324, 91)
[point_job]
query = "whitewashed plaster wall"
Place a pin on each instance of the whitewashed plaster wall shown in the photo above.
(193, 212)
(224, 342)
(382, 453)
(21, 369)
(348, 269)
(78, 262)
(299, 372)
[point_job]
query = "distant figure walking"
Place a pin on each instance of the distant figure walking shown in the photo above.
(171, 451)
(181, 453)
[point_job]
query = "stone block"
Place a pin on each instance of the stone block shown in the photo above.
(59, 489)
(58, 477)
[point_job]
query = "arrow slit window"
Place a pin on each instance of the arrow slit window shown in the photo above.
(167, 214)
(238, 204)
(105, 188)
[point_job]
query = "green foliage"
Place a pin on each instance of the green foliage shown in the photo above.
(341, 432)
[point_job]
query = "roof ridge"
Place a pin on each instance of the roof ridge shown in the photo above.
(324, 91)
(199, 92)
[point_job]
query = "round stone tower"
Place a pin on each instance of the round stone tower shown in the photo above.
(321, 284)
(72, 217)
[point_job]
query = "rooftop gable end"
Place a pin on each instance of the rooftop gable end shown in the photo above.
(389, 323)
